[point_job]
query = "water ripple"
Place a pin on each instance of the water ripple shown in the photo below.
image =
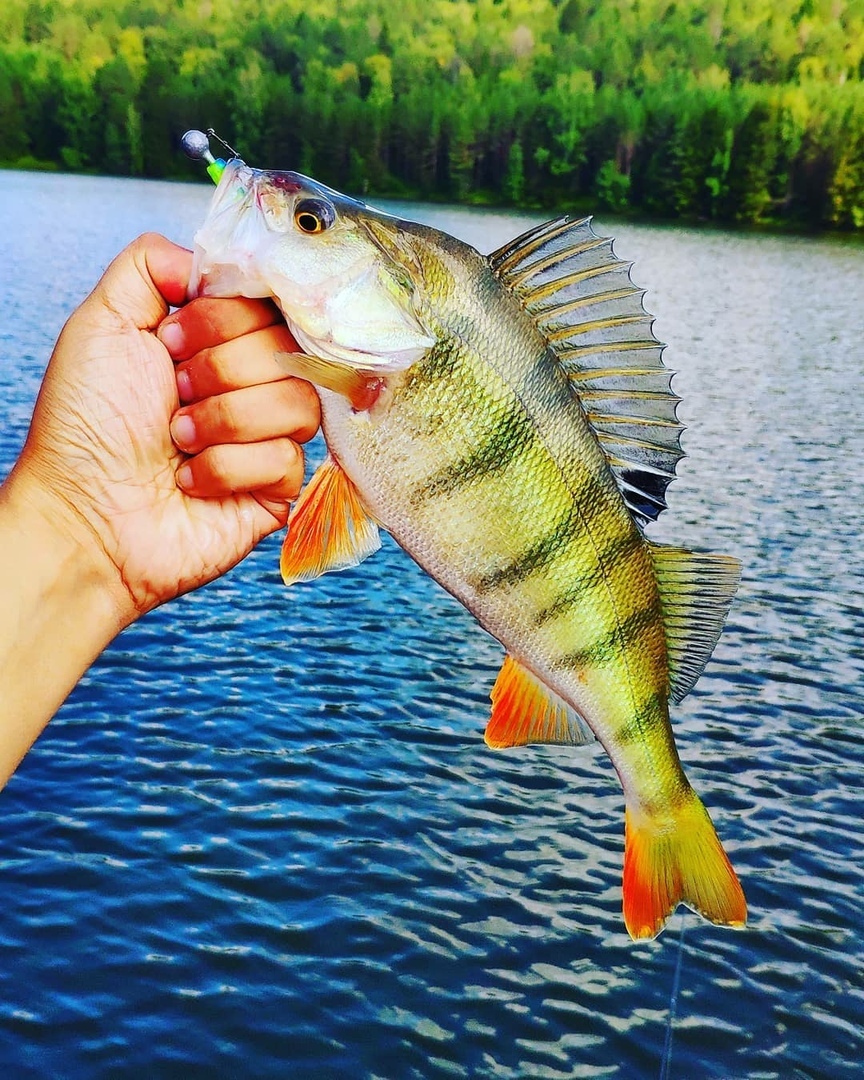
(264, 836)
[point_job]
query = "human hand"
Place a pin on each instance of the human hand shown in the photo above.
(104, 515)
(149, 516)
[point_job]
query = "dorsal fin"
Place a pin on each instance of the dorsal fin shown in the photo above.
(696, 591)
(582, 299)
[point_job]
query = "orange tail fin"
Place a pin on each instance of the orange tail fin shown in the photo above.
(675, 862)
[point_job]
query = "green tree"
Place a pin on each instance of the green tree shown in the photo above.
(514, 178)
(612, 188)
(847, 188)
(14, 143)
(747, 112)
(80, 125)
(751, 192)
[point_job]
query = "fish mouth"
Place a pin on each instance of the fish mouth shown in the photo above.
(249, 214)
(236, 191)
(229, 240)
(336, 293)
(243, 187)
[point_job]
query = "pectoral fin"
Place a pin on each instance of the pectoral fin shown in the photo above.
(328, 528)
(525, 710)
(361, 388)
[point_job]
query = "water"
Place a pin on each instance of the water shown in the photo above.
(264, 837)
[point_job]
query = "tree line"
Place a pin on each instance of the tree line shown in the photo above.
(736, 111)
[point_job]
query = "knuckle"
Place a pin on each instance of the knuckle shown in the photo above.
(203, 319)
(216, 462)
(202, 372)
(231, 317)
(286, 469)
(294, 456)
(292, 478)
(217, 316)
(148, 240)
(306, 406)
(224, 415)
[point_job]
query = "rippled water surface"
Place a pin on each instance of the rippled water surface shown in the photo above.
(264, 836)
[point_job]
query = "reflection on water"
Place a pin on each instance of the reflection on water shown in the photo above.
(264, 836)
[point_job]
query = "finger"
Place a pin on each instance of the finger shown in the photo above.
(143, 281)
(244, 361)
(248, 415)
(273, 468)
(207, 322)
(169, 266)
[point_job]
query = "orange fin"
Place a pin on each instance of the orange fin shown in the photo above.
(328, 528)
(677, 862)
(525, 710)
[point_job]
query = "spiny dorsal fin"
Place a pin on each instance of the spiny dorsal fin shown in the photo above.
(525, 710)
(582, 299)
(696, 592)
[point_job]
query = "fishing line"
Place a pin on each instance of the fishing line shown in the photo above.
(227, 146)
(666, 1063)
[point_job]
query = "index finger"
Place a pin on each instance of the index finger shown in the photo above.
(208, 321)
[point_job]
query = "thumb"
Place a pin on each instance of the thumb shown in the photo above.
(141, 283)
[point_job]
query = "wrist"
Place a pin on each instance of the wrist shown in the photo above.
(59, 612)
(63, 553)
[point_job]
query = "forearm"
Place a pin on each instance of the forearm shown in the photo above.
(57, 614)
(97, 525)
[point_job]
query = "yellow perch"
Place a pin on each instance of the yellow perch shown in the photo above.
(509, 420)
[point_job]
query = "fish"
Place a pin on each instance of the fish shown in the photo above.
(509, 420)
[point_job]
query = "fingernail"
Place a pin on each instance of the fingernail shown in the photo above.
(183, 477)
(184, 386)
(171, 335)
(183, 430)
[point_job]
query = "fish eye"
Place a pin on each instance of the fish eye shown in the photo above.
(313, 215)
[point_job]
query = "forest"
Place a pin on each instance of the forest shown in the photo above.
(745, 112)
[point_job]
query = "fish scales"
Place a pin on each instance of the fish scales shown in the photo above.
(510, 422)
(475, 536)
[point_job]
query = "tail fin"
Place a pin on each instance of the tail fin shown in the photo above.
(681, 861)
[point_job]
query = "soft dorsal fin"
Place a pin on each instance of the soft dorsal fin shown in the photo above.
(525, 710)
(328, 528)
(696, 592)
(580, 296)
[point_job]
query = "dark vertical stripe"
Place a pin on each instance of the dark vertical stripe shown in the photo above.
(508, 438)
(608, 648)
(650, 712)
(620, 547)
(438, 364)
(542, 552)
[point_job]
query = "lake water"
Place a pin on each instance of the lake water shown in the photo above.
(264, 837)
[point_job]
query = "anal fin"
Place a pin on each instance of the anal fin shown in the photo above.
(328, 528)
(525, 710)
